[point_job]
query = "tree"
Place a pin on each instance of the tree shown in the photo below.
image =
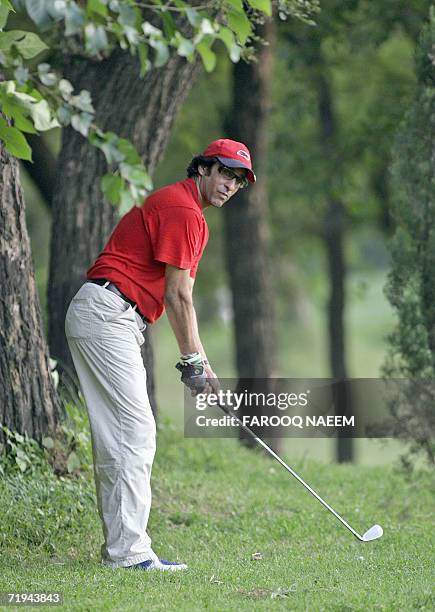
(246, 226)
(333, 234)
(411, 283)
(28, 400)
(344, 101)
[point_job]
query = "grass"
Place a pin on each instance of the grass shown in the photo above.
(215, 504)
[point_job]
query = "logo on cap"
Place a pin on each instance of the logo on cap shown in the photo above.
(243, 154)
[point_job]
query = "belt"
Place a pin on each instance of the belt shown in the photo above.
(114, 289)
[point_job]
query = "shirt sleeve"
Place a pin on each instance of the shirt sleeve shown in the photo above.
(175, 235)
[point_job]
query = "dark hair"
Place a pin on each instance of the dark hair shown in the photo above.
(200, 160)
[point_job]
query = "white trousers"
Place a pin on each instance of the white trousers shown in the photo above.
(104, 335)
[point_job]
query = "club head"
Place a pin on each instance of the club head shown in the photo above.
(373, 533)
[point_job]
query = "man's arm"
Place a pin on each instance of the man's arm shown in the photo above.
(182, 317)
(180, 310)
(195, 327)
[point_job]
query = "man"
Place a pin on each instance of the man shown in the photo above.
(148, 265)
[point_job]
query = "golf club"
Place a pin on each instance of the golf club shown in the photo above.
(373, 533)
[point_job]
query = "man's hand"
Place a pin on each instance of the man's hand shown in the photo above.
(212, 380)
(198, 378)
(193, 376)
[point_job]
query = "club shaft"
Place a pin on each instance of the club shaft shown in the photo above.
(289, 469)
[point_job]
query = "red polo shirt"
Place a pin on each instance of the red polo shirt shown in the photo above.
(169, 228)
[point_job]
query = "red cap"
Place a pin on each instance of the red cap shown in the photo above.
(232, 154)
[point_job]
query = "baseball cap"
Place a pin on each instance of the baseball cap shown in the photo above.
(232, 154)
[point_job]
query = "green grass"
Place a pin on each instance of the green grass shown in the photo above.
(215, 504)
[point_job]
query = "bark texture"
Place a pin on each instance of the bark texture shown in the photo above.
(142, 110)
(28, 400)
(246, 226)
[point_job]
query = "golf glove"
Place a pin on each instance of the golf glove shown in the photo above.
(193, 376)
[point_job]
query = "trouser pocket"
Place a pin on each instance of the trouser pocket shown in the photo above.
(78, 319)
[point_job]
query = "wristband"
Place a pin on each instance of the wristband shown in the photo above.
(192, 359)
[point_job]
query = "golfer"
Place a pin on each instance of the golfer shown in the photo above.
(148, 265)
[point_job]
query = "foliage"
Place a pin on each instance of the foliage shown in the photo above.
(67, 452)
(411, 284)
(34, 97)
(21, 454)
(366, 61)
(215, 506)
(46, 491)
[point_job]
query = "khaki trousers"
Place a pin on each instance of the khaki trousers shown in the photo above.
(104, 335)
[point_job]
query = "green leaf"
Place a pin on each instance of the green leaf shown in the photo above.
(207, 55)
(240, 24)
(193, 16)
(127, 14)
(22, 455)
(38, 12)
(96, 38)
(127, 201)
(21, 75)
(28, 44)
(186, 48)
(168, 25)
(111, 186)
(65, 88)
(17, 105)
(161, 53)
(206, 27)
(48, 78)
(130, 155)
(42, 116)
(81, 123)
(143, 58)
(235, 4)
(22, 123)
(109, 146)
(74, 19)
(47, 442)
(235, 53)
(64, 114)
(137, 175)
(227, 37)
(132, 35)
(97, 7)
(31, 46)
(4, 14)
(15, 142)
(73, 462)
(265, 6)
(21, 464)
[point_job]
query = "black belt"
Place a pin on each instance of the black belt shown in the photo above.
(114, 289)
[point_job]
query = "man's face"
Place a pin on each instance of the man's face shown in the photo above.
(219, 183)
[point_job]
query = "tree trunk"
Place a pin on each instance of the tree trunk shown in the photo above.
(28, 399)
(142, 110)
(246, 228)
(334, 238)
